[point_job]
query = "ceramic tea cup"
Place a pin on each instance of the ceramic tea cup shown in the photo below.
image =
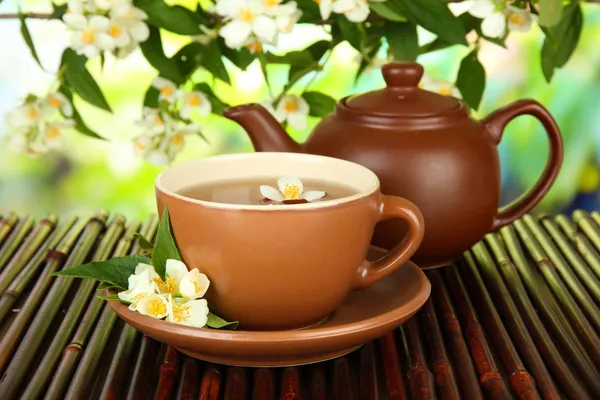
(283, 266)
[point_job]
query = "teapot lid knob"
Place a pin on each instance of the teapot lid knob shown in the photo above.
(402, 74)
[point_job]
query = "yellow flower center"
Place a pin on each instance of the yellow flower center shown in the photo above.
(157, 307)
(32, 113)
(517, 19)
(136, 299)
(291, 192)
(197, 287)
(245, 15)
(254, 47)
(52, 132)
(318, 1)
(115, 31)
(177, 140)
(158, 120)
(140, 146)
(54, 102)
(290, 106)
(170, 286)
(194, 100)
(446, 91)
(166, 91)
(87, 36)
(272, 3)
(181, 312)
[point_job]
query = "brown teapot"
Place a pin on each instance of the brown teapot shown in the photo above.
(424, 147)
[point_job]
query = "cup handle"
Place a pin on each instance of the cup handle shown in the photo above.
(393, 207)
(495, 123)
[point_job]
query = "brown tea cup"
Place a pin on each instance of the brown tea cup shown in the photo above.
(283, 266)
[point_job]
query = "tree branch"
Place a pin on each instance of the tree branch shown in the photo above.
(27, 15)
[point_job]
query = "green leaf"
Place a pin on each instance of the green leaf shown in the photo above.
(241, 58)
(106, 285)
(79, 123)
(58, 11)
(217, 105)
(212, 60)
(310, 11)
(349, 31)
(188, 58)
(561, 40)
(293, 58)
(471, 79)
(217, 322)
(81, 81)
(318, 49)
(435, 16)
(175, 19)
(165, 248)
(403, 40)
(320, 104)
(144, 243)
(115, 271)
(387, 10)
(29, 40)
(151, 97)
(113, 297)
(201, 16)
(154, 53)
(550, 12)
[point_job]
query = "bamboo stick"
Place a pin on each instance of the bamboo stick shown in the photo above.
(168, 374)
(581, 242)
(583, 271)
(342, 380)
(422, 386)
(139, 387)
(21, 361)
(27, 250)
(466, 375)
(443, 373)
(55, 259)
(84, 375)
(16, 287)
(588, 226)
(12, 243)
(290, 384)
(6, 225)
(546, 305)
(521, 382)
(318, 386)
(490, 377)
(70, 353)
(212, 382)
(263, 387)
(236, 385)
(543, 249)
(188, 386)
(584, 329)
(394, 384)
(367, 377)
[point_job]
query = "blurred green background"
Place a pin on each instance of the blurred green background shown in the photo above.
(90, 174)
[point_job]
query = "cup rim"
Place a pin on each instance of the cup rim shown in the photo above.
(267, 208)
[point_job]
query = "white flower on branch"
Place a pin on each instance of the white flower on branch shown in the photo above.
(167, 89)
(81, 6)
(132, 19)
(492, 14)
(90, 35)
(293, 109)
(194, 101)
(354, 10)
(439, 86)
(207, 36)
(519, 19)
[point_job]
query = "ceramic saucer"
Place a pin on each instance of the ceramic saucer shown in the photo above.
(363, 316)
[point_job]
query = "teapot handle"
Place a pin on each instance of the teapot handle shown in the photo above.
(495, 123)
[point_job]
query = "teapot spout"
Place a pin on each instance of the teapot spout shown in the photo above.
(265, 132)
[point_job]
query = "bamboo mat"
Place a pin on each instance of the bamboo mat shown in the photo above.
(517, 317)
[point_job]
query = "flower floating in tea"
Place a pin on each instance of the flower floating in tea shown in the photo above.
(290, 189)
(160, 286)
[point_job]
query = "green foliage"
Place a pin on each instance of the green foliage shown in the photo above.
(165, 248)
(388, 10)
(217, 322)
(81, 81)
(320, 104)
(28, 40)
(154, 53)
(144, 243)
(174, 19)
(217, 105)
(550, 12)
(79, 123)
(471, 79)
(403, 40)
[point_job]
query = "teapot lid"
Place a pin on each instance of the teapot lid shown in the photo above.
(402, 97)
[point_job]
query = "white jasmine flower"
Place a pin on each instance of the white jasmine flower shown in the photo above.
(194, 284)
(440, 86)
(167, 89)
(354, 10)
(519, 19)
(132, 20)
(81, 6)
(158, 158)
(153, 121)
(207, 37)
(188, 312)
(141, 145)
(290, 188)
(194, 101)
(140, 286)
(59, 101)
(17, 141)
(52, 131)
(294, 110)
(245, 18)
(325, 8)
(27, 115)
(90, 36)
(154, 305)
(494, 20)
(119, 33)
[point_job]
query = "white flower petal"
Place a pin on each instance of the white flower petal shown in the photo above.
(139, 31)
(482, 8)
(271, 193)
(519, 19)
(141, 267)
(342, 6)
(325, 7)
(313, 195)
(358, 14)
(89, 51)
(297, 120)
(99, 23)
(176, 269)
(265, 28)
(75, 21)
(154, 305)
(158, 158)
(104, 41)
(235, 33)
(191, 313)
(194, 285)
(494, 26)
(291, 187)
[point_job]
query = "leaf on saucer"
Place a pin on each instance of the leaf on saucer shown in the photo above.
(113, 297)
(165, 248)
(216, 322)
(144, 243)
(114, 272)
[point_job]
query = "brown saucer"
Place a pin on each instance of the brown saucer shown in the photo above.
(363, 316)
